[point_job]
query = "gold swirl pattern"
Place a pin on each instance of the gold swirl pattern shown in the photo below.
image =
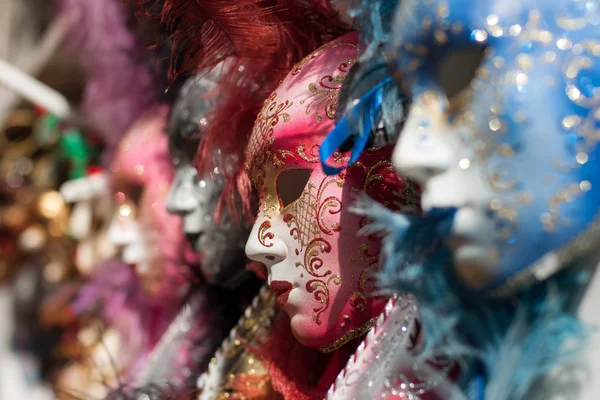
(259, 149)
(359, 297)
(319, 286)
(298, 67)
(312, 262)
(327, 94)
(264, 234)
(312, 155)
(321, 293)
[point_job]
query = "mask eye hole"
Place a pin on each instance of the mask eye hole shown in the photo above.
(291, 184)
(456, 71)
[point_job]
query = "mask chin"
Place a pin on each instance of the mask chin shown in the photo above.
(222, 258)
(134, 254)
(194, 223)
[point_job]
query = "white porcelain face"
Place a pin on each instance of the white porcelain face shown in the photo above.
(190, 198)
(437, 155)
(219, 244)
(90, 203)
(126, 233)
(83, 189)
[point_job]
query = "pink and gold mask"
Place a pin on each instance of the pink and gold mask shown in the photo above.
(318, 265)
(151, 238)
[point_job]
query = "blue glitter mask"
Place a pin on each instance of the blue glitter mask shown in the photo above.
(503, 125)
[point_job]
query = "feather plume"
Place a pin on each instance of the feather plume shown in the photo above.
(204, 33)
(373, 20)
(121, 82)
(504, 345)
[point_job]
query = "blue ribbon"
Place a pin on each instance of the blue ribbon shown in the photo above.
(366, 109)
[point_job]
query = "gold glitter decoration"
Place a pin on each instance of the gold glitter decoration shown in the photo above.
(307, 213)
(348, 336)
(233, 362)
(313, 156)
(264, 234)
(271, 114)
(298, 67)
(326, 94)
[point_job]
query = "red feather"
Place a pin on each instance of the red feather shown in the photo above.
(205, 32)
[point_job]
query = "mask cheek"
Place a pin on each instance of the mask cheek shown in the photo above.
(314, 225)
(330, 205)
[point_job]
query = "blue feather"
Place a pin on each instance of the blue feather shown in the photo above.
(369, 101)
(361, 120)
(373, 19)
(503, 346)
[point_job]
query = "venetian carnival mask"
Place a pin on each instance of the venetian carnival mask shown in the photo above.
(220, 244)
(318, 264)
(511, 145)
(150, 238)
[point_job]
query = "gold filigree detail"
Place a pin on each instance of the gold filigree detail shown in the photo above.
(264, 234)
(234, 362)
(359, 300)
(262, 137)
(298, 67)
(312, 262)
(326, 94)
(348, 336)
(279, 156)
(313, 156)
(363, 253)
(319, 286)
(306, 215)
(320, 289)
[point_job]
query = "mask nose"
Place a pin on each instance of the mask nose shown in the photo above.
(181, 199)
(122, 231)
(421, 152)
(264, 246)
(192, 199)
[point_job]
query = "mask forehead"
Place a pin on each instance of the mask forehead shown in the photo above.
(297, 116)
(142, 154)
(189, 116)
